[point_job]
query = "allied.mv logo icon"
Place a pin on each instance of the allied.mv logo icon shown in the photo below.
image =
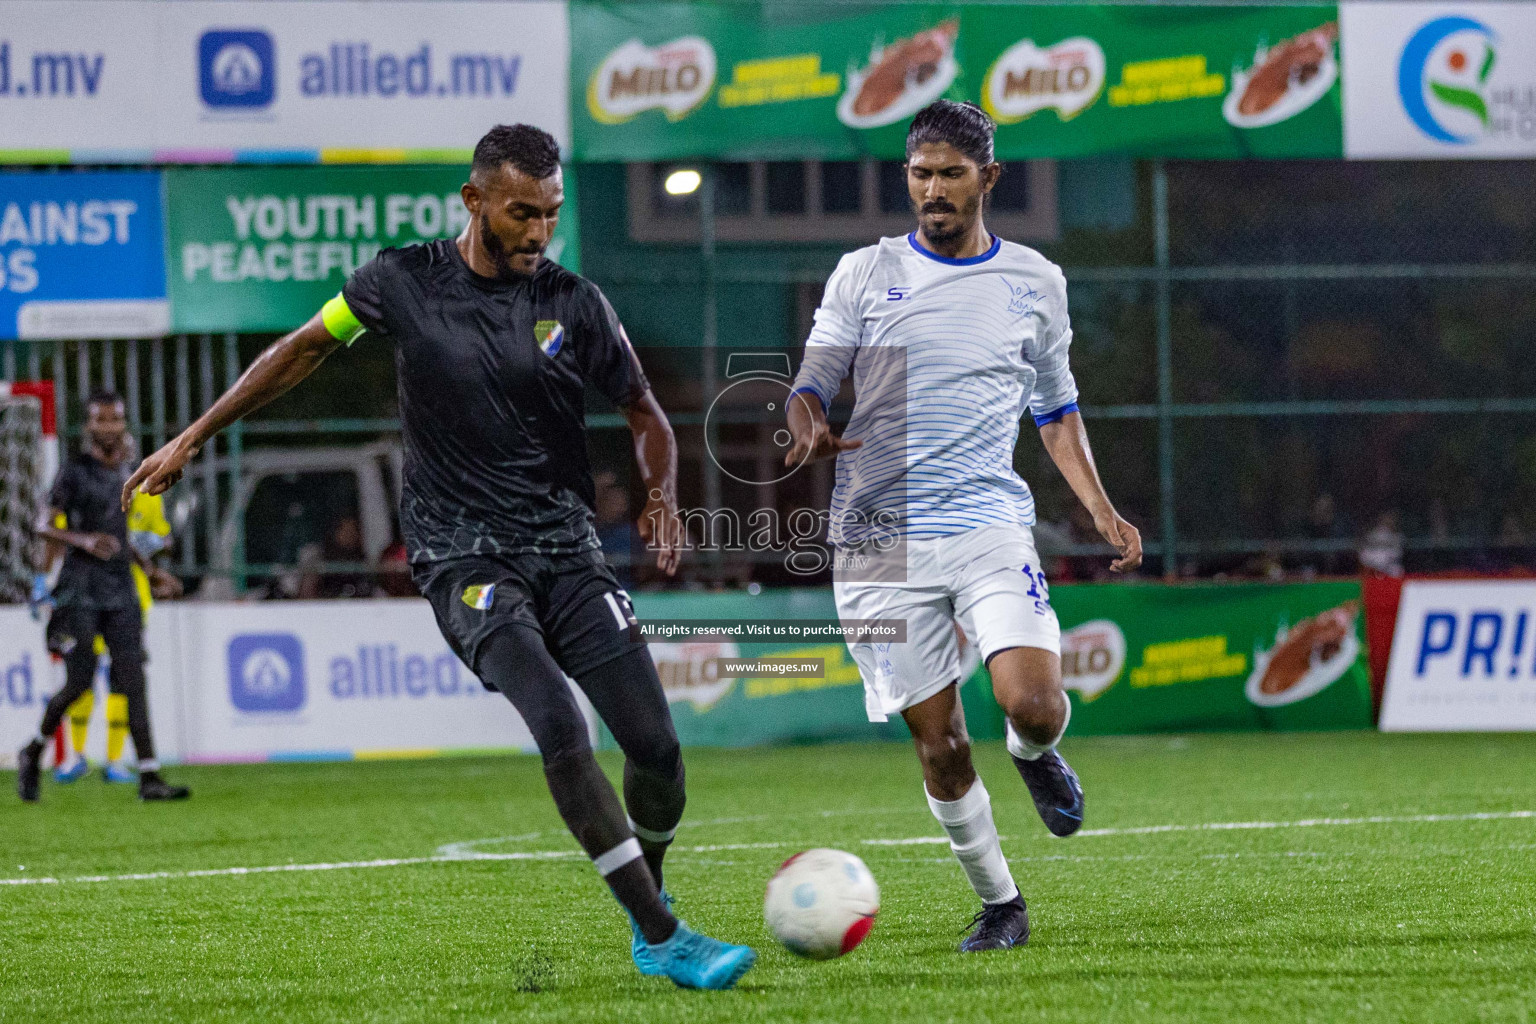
(266, 672)
(237, 68)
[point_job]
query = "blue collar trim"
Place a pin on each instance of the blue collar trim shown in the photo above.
(997, 243)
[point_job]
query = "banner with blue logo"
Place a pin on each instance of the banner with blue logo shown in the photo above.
(290, 81)
(1463, 658)
(1439, 80)
(82, 256)
(297, 78)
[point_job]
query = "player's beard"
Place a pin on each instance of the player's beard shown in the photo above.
(112, 446)
(960, 220)
(496, 251)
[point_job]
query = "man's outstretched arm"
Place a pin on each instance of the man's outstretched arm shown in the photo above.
(1067, 441)
(282, 365)
(656, 455)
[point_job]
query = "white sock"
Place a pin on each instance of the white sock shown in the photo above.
(973, 838)
(148, 764)
(1024, 750)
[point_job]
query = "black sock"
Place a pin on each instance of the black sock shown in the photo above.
(653, 854)
(515, 660)
(655, 803)
(592, 812)
(634, 887)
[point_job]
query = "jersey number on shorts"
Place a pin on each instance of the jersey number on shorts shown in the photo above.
(1038, 590)
(623, 609)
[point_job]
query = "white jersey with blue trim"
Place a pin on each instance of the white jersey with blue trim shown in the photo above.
(946, 356)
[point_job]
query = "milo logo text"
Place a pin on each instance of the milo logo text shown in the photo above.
(674, 78)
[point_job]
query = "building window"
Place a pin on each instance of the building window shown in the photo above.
(784, 188)
(836, 201)
(893, 187)
(842, 186)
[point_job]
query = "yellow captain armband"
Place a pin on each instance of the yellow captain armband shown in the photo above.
(340, 321)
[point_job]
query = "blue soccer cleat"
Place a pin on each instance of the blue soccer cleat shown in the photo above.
(692, 960)
(114, 772)
(640, 949)
(1054, 787)
(75, 771)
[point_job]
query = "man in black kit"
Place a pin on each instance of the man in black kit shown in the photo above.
(494, 346)
(96, 595)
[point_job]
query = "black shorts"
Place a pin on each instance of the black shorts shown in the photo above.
(574, 600)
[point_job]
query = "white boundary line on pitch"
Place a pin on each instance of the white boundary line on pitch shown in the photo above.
(440, 858)
(1376, 819)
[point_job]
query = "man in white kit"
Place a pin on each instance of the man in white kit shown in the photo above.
(951, 334)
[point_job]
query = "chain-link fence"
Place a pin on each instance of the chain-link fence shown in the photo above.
(1285, 366)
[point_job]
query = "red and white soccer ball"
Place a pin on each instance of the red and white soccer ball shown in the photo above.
(821, 903)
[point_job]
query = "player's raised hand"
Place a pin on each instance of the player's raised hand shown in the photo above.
(811, 435)
(662, 529)
(157, 473)
(1125, 538)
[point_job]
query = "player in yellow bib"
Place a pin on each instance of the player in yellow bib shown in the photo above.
(148, 533)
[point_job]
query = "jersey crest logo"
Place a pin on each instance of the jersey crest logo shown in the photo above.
(897, 294)
(479, 596)
(549, 334)
(1021, 300)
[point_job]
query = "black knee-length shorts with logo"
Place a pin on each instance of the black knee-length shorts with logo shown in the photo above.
(573, 600)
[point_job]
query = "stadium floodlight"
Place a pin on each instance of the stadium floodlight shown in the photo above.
(683, 182)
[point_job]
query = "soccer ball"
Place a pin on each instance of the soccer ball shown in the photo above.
(821, 903)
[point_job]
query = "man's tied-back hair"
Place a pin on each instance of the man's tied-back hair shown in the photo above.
(531, 150)
(963, 125)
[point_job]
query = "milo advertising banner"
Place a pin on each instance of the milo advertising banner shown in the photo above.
(1214, 656)
(714, 708)
(262, 249)
(1135, 658)
(663, 81)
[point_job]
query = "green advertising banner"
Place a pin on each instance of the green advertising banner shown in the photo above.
(262, 249)
(1135, 659)
(723, 712)
(1214, 656)
(672, 80)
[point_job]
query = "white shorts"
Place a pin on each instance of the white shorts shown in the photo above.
(987, 579)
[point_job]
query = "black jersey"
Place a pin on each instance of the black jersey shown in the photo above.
(89, 493)
(492, 375)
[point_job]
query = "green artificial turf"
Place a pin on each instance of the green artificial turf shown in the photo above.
(1388, 921)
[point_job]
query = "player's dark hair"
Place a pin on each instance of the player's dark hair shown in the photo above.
(104, 396)
(963, 125)
(531, 150)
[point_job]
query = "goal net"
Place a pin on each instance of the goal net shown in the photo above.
(21, 484)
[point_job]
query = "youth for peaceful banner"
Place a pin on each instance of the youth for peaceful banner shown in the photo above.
(262, 249)
(659, 81)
